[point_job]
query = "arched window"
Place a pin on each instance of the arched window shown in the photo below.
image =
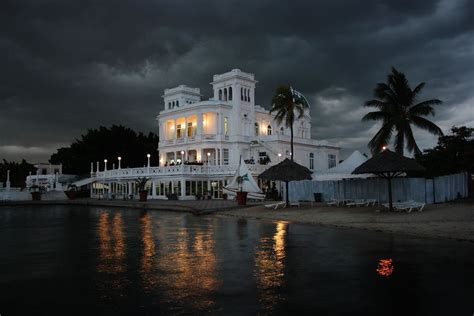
(225, 94)
(230, 93)
(241, 94)
(173, 103)
(177, 103)
(248, 95)
(256, 129)
(220, 94)
(169, 105)
(311, 161)
(245, 94)
(269, 130)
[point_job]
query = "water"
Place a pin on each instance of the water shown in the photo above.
(85, 260)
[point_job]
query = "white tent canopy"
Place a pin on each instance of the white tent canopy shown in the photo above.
(248, 184)
(344, 169)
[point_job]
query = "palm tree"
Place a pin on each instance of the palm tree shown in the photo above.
(399, 109)
(288, 105)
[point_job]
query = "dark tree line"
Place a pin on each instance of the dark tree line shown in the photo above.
(454, 153)
(107, 143)
(18, 172)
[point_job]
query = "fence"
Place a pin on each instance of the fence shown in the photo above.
(439, 189)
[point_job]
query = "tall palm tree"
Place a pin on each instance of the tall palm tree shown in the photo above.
(398, 109)
(288, 105)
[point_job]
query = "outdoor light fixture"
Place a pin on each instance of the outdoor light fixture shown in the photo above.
(208, 154)
(182, 152)
(279, 154)
(105, 164)
(119, 159)
(148, 155)
(384, 148)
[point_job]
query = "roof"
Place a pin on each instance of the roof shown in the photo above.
(287, 170)
(387, 162)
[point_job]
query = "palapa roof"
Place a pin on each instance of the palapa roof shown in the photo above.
(286, 170)
(388, 162)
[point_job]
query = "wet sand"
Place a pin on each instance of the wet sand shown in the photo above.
(448, 220)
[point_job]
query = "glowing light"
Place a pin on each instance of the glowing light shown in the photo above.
(208, 154)
(119, 158)
(182, 152)
(148, 155)
(105, 160)
(279, 154)
(385, 267)
(384, 148)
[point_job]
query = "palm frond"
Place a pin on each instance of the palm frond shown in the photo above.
(376, 116)
(381, 138)
(427, 125)
(425, 107)
(411, 142)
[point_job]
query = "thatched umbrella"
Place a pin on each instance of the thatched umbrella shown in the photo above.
(287, 171)
(388, 165)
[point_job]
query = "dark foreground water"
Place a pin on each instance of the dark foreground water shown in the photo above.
(89, 261)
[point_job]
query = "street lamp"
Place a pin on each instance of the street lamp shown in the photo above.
(208, 155)
(148, 157)
(119, 159)
(105, 164)
(182, 155)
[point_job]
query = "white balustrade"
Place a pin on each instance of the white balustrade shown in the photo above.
(183, 169)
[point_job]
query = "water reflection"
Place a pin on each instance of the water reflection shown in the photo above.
(270, 267)
(188, 267)
(148, 252)
(385, 267)
(111, 249)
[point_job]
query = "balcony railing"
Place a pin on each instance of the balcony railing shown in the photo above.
(178, 170)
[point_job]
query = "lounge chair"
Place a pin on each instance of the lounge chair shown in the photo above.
(275, 205)
(411, 206)
(359, 202)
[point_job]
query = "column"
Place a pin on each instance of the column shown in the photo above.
(129, 188)
(216, 156)
(199, 128)
(183, 187)
(153, 186)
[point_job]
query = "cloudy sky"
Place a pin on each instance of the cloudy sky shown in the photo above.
(71, 65)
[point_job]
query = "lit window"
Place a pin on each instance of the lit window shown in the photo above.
(269, 130)
(226, 126)
(190, 129)
(311, 161)
(179, 131)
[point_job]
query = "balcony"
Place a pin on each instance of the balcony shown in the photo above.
(178, 170)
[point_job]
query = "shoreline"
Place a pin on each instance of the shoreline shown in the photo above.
(198, 207)
(451, 221)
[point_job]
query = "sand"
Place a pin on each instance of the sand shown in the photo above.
(448, 220)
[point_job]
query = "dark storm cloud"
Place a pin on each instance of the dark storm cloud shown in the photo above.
(71, 65)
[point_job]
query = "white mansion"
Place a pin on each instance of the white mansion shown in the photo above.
(201, 142)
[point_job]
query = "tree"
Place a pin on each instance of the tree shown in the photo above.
(18, 172)
(399, 109)
(288, 105)
(454, 153)
(107, 143)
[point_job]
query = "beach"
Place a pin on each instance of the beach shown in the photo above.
(454, 220)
